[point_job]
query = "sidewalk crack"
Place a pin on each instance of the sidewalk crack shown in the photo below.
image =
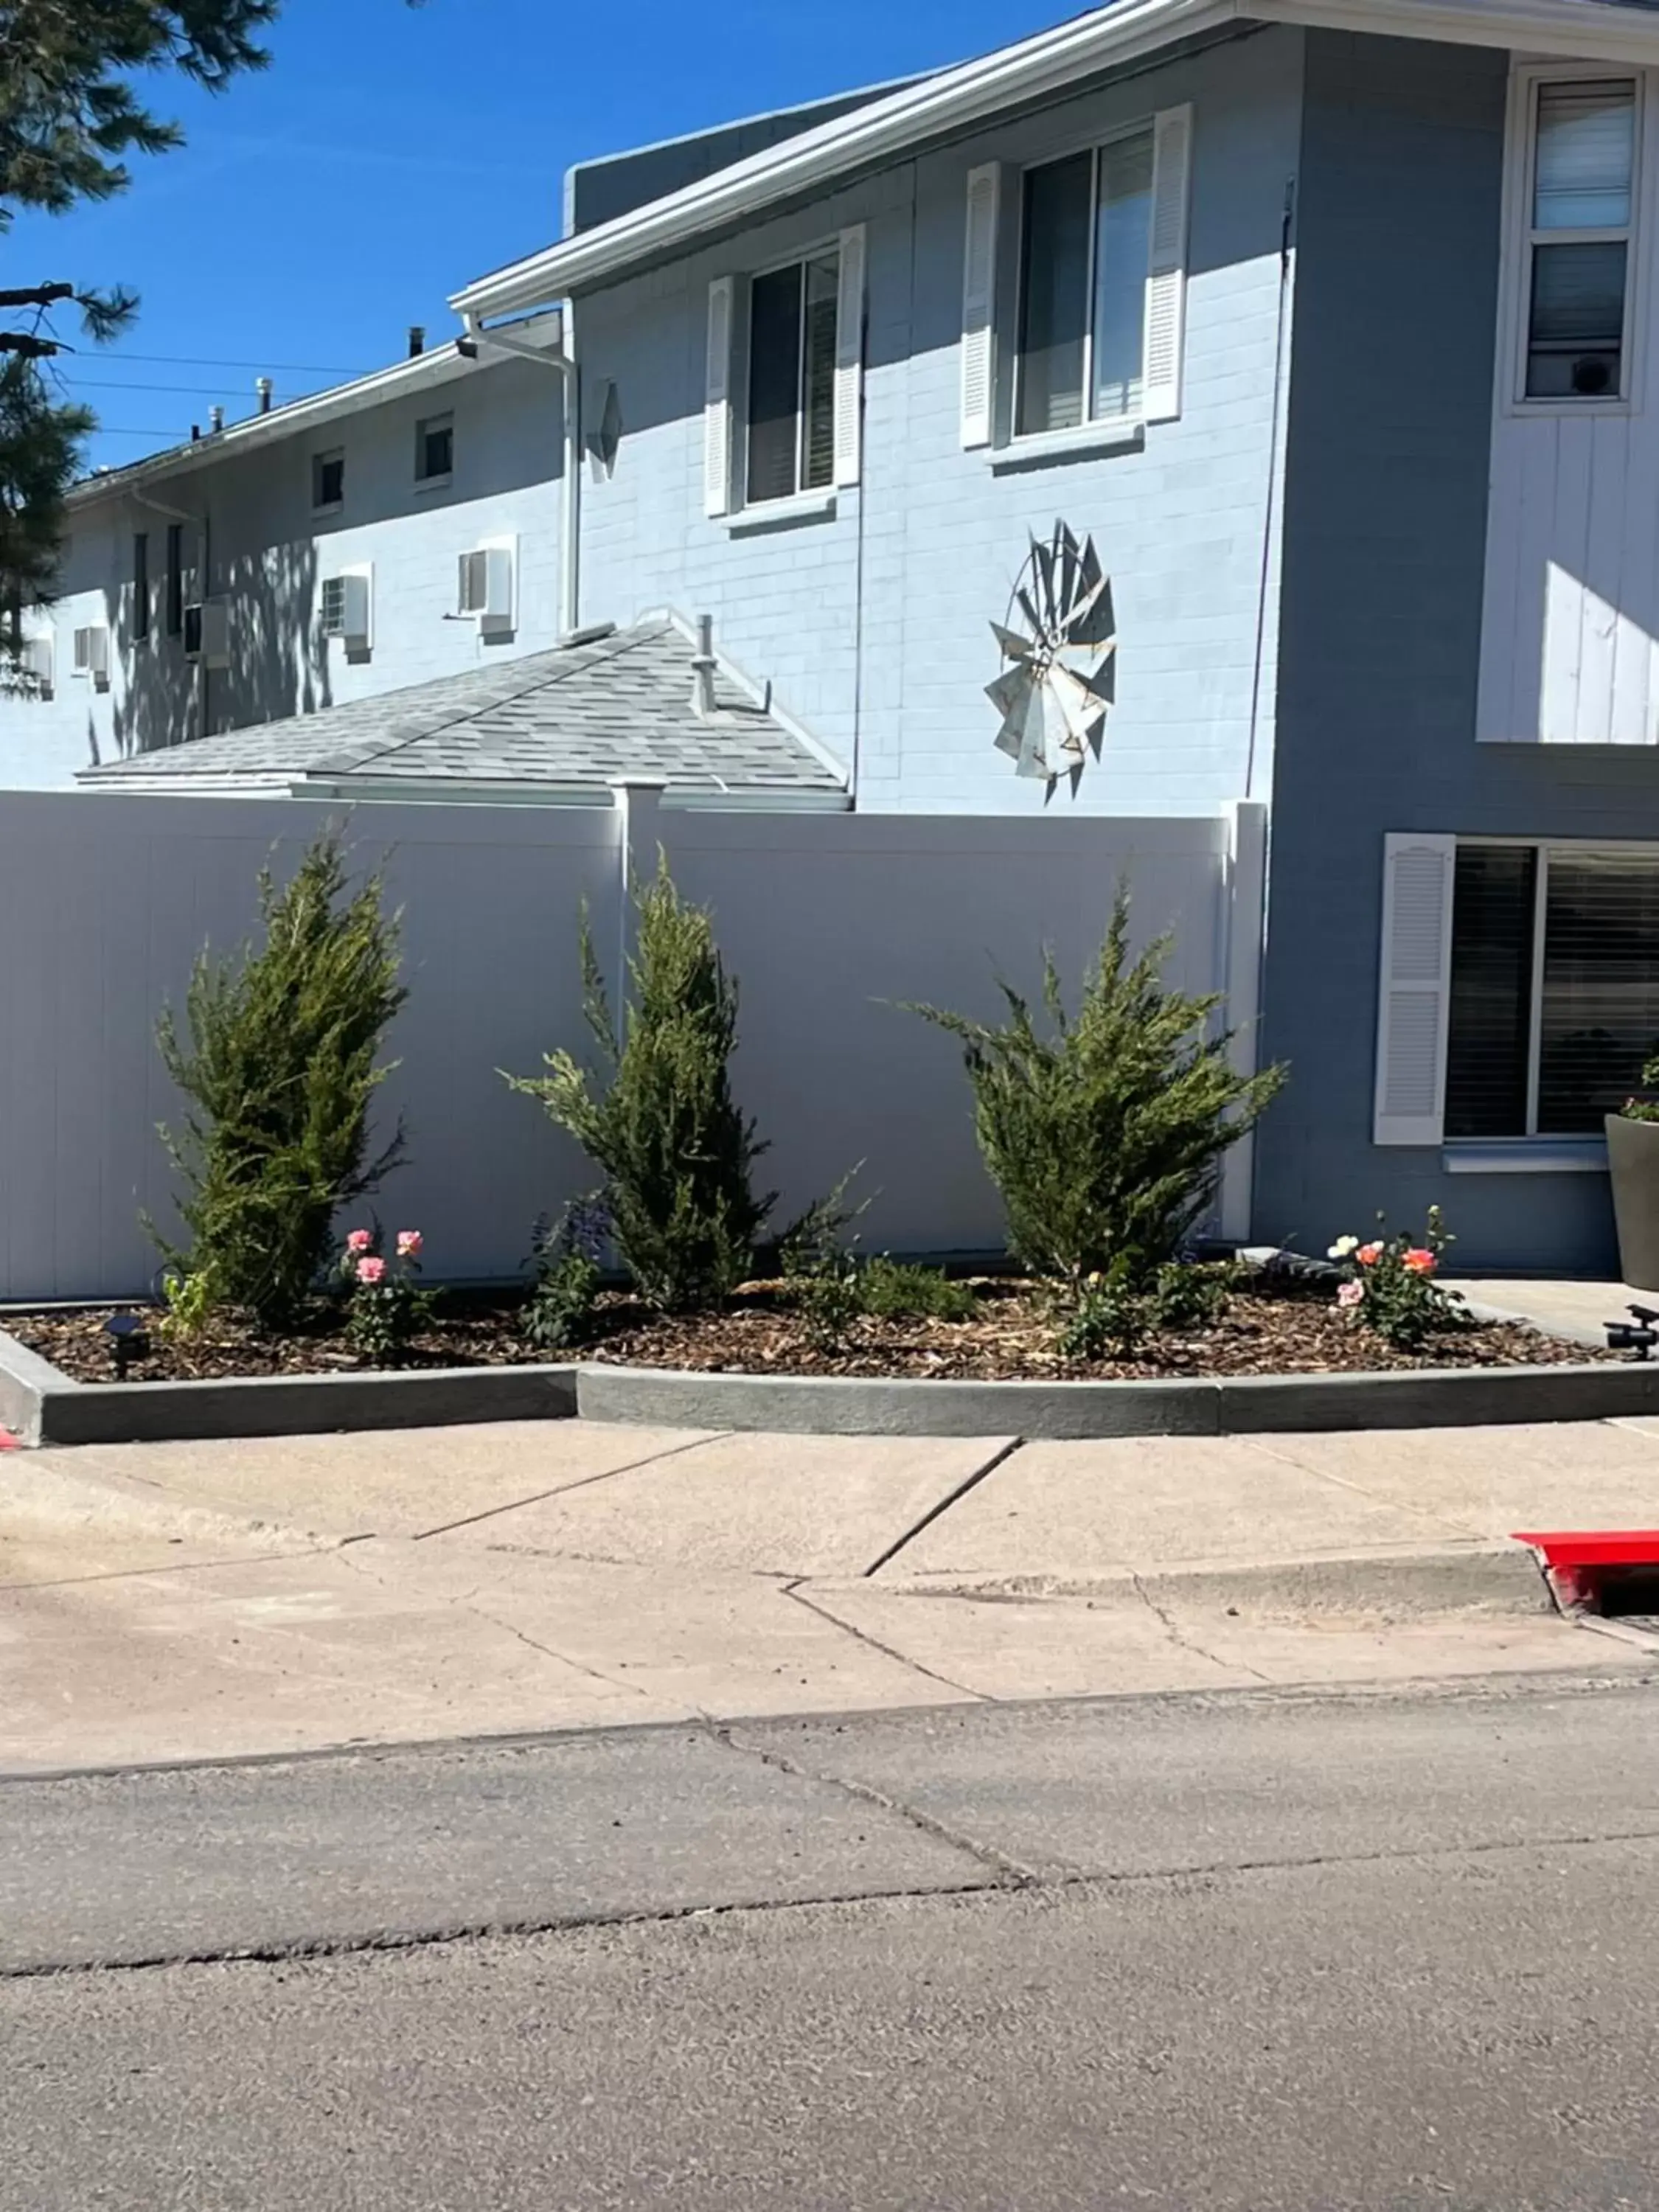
(565, 1489)
(1185, 1643)
(969, 1482)
(797, 1590)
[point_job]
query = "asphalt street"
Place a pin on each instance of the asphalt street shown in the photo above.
(1245, 1952)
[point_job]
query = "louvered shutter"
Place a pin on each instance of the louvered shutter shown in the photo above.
(1414, 989)
(1166, 268)
(849, 359)
(979, 269)
(717, 408)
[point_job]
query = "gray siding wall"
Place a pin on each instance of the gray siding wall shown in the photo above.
(1385, 502)
(598, 191)
(268, 555)
(873, 622)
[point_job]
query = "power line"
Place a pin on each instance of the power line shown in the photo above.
(204, 361)
(109, 384)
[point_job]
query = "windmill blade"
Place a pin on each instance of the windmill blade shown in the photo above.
(1014, 647)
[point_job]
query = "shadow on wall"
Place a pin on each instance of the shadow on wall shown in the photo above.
(278, 657)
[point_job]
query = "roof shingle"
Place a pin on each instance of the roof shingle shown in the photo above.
(588, 713)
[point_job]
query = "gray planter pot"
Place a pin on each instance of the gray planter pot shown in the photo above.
(1633, 1160)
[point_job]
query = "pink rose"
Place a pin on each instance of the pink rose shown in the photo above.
(409, 1243)
(371, 1270)
(1369, 1254)
(1420, 1262)
(360, 1240)
(1350, 1294)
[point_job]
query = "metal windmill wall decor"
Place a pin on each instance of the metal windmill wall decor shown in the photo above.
(1053, 695)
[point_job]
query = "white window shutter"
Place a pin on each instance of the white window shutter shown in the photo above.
(979, 279)
(1166, 267)
(717, 409)
(849, 359)
(1414, 989)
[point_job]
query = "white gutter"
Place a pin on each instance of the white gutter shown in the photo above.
(1049, 66)
(887, 129)
(561, 356)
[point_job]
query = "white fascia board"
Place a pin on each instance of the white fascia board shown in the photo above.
(1590, 30)
(959, 99)
(440, 365)
(954, 99)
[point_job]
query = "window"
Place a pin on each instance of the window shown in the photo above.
(1580, 215)
(141, 584)
(1554, 987)
(1084, 259)
(328, 480)
(434, 449)
(175, 585)
(791, 418)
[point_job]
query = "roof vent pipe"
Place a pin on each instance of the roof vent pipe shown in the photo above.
(216, 418)
(416, 340)
(702, 670)
(262, 387)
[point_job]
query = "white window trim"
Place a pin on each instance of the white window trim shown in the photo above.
(1084, 435)
(1113, 434)
(802, 504)
(1515, 284)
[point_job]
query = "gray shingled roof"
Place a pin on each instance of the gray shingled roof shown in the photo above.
(588, 713)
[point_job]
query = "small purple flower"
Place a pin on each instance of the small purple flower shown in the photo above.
(586, 1229)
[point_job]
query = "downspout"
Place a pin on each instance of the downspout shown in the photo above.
(564, 360)
(199, 524)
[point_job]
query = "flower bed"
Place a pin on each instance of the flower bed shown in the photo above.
(1287, 1328)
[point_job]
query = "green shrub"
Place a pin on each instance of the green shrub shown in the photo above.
(676, 1152)
(893, 1290)
(1113, 1311)
(1105, 1137)
(277, 1061)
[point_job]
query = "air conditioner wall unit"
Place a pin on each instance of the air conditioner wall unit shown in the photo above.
(91, 652)
(40, 661)
(345, 608)
(488, 578)
(207, 633)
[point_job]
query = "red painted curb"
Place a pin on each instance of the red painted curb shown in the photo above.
(1580, 1559)
(8, 1441)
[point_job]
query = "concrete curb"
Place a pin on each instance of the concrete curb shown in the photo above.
(1475, 1577)
(1252, 1406)
(42, 1406)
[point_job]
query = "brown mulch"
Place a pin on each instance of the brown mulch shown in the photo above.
(1285, 1330)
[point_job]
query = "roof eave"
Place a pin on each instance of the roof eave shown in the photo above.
(954, 99)
(442, 364)
(959, 99)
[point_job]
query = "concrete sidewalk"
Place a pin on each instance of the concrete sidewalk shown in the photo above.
(201, 1600)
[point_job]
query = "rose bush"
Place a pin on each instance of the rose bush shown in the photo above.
(1388, 1286)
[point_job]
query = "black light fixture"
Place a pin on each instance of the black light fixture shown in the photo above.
(1639, 1339)
(129, 1340)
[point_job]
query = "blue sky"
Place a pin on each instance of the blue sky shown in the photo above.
(389, 154)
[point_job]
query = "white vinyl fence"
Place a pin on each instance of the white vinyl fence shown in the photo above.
(827, 921)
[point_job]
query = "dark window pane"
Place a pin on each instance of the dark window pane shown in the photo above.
(1492, 916)
(1055, 282)
(175, 578)
(773, 384)
(327, 479)
(1601, 1011)
(1577, 328)
(141, 584)
(823, 284)
(434, 449)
